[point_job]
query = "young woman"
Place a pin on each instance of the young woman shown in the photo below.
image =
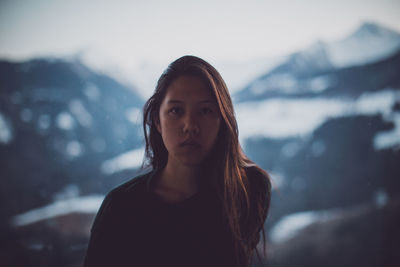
(204, 203)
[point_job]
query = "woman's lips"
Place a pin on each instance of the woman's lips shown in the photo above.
(190, 143)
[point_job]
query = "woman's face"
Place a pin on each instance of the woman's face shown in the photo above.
(189, 121)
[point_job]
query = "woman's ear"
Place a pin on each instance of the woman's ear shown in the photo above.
(157, 124)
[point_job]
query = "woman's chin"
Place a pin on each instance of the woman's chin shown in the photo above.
(192, 160)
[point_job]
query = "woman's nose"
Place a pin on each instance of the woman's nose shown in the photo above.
(190, 124)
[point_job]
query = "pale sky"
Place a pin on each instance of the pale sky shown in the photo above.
(124, 34)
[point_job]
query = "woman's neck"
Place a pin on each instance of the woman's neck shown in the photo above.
(177, 182)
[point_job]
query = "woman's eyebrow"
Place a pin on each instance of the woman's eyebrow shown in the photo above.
(172, 101)
(208, 101)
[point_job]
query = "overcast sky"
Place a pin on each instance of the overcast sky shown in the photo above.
(123, 34)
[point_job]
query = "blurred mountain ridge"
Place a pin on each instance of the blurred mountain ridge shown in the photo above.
(325, 124)
(63, 127)
(64, 121)
(372, 56)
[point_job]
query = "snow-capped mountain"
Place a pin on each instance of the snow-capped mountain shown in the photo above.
(347, 67)
(325, 124)
(370, 43)
(60, 122)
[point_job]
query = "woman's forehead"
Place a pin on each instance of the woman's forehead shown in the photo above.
(189, 88)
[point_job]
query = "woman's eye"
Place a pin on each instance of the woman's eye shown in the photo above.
(175, 110)
(206, 110)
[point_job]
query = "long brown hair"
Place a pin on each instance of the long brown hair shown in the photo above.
(245, 207)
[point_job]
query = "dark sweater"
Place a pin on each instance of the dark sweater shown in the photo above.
(134, 227)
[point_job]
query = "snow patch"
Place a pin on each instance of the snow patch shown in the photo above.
(74, 149)
(278, 180)
(68, 192)
(290, 225)
(381, 198)
(283, 118)
(85, 204)
(391, 138)
(65, 121)
(91, 92)
(368, 44)
(134, 115)
(378, 102)
(79, 111)
(319, 84)
(6, 132)
(129, 160)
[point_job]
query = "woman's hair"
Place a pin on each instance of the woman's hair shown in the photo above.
(245, 207)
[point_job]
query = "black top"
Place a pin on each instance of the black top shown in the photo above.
(135, 227)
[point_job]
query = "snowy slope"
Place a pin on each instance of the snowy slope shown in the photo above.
(370, 43)
(364, 61)
(285, 118)
(59, 121)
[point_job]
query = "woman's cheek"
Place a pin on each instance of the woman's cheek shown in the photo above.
(171, 132)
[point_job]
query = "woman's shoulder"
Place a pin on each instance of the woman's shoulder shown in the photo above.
(118, 199)
(257, 177)
(134, 188)
(260, 187)
(134, 184)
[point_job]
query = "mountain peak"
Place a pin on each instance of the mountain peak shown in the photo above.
(370, 29)
(370, 42)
